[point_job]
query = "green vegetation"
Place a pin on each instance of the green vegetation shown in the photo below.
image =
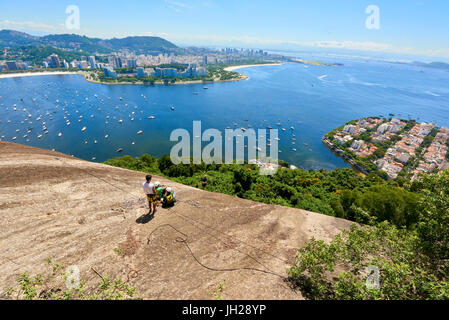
(214, 72)
(218, 292)
(179, 67)
(217, 70)
(119, 251)
(76, 43)
(412, 263)
(125, 70)
(36, 55)
(60, 284)
(340, 193)
(403, 225)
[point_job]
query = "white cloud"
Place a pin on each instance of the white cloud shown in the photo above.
(30, 25)
(331, 44)
(176, 6)
(368, 46)
(229, 40)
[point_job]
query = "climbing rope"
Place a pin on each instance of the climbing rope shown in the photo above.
(184, 240)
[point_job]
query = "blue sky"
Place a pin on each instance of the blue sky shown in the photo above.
(418, 27)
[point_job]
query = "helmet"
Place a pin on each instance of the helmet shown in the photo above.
(157, 184)
(168, 189)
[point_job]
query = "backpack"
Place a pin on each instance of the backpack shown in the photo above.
(169, 201)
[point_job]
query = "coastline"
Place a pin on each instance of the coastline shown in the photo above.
(85, 76)
(339, 153)
(230, 69)
(88, 79)
(32, 74)
(161, 83)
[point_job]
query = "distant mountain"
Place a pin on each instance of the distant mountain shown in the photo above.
(14, 39)
(436, 65)
(11, 38)
(139, 44)
(75, 42)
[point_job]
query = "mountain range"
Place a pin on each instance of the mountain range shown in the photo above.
(74, 42)
(436, 65)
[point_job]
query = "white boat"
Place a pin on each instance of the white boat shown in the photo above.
(322, 77)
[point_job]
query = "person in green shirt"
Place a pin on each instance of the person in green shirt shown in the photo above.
(159, 189)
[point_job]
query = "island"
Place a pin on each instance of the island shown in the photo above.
(391, 147)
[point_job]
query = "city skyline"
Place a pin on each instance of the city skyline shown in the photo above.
(416, 28)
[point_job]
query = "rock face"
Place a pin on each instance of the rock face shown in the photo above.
(82, 213)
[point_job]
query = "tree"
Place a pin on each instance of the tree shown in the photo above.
(433, 226)
(413, 263)
(165, 163)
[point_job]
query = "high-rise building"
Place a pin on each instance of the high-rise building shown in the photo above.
(141, 73)
(108, 72)
(132, 63)
(12, 65)
(201, 72)
(205, 60)
(54, 61)
(118, 62)
(111, 62)
(83, 65)
(92, 62)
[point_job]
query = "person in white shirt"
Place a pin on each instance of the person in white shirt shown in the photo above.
(150, 191)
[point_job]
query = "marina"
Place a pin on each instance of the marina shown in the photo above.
(111, 120)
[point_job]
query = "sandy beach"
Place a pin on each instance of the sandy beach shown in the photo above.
(251, 65)
(87, 78)
(31, 74)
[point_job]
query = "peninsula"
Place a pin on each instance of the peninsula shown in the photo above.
(213, 73)
(392, 147)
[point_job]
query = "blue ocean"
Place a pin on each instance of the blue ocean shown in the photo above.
(92, 121)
